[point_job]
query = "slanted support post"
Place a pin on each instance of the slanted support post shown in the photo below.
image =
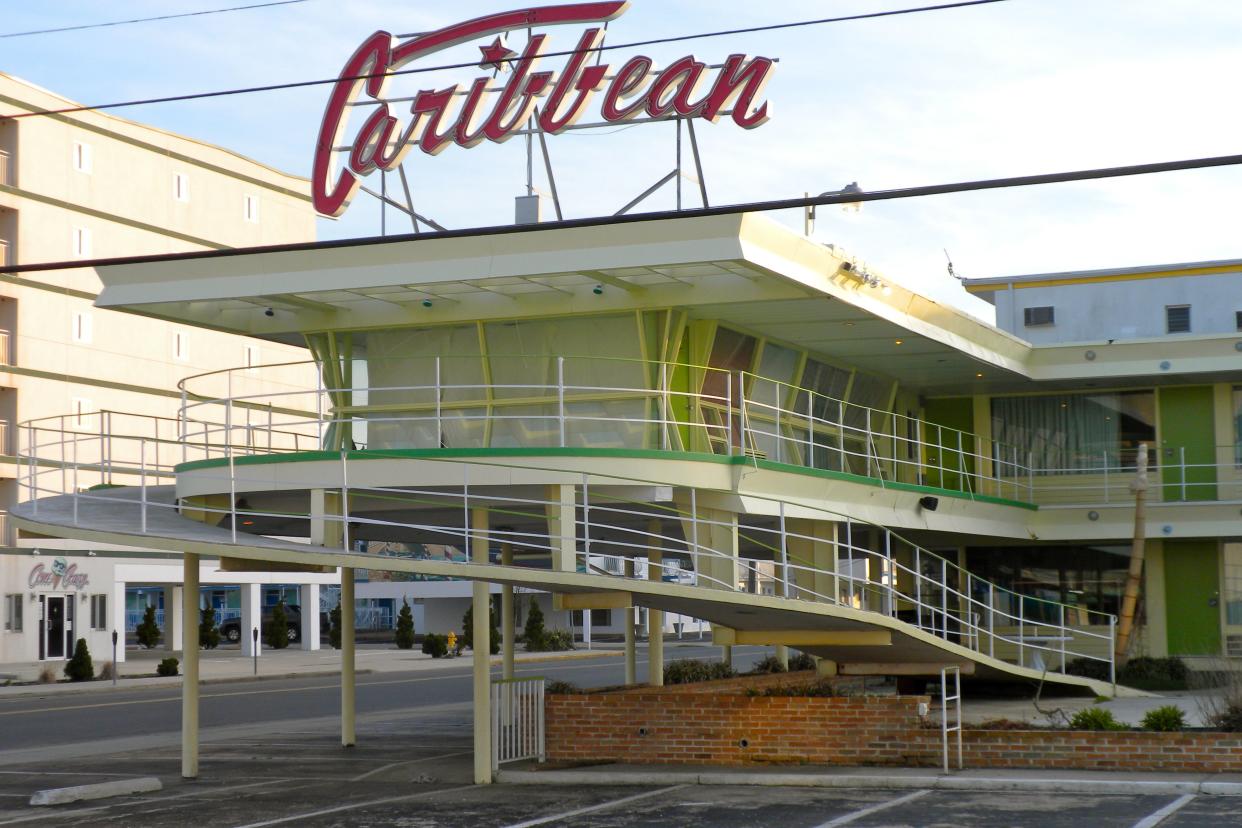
(481, 632)
(189, 684)
(506, 616)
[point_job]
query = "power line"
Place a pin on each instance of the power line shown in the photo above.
(277, 87)
(148, 19)
(727, 209)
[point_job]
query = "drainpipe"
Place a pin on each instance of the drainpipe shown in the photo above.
(1130, 601)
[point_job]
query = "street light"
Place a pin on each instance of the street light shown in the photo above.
(808, 216)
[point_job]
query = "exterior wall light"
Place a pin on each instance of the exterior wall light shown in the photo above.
(426, 303)
(1093, 515)
(597, 290)
(1166, 365)
(1090, 356)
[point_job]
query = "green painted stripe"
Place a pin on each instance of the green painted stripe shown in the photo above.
(112, 217)
(158, 150)
(641, 454)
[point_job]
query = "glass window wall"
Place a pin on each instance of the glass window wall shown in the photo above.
(1076, 433)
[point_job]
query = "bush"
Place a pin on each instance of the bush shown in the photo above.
(106, 671)
(823, 687)
(1095, 718)
(768, 664)
(563, 688)
(689, 670)
(1165, 719)
(435, 645)
(167, 667)
(1088, 668)
(47, 676)
(334, 626)
(208, 632)
(278, 630)
(79, 667)
(535, 633)
(467, 623)
(404, 637)
(148, 631)
(1148, 673)
(801, 661)
(558, 640)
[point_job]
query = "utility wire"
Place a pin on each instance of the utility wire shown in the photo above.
(276, 87)
(147, 19)
(726, 209)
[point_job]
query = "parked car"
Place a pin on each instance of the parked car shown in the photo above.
(232, 632)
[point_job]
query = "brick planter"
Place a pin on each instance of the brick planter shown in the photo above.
(715, 723)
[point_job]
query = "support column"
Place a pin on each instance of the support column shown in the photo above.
(631, 659)
(348, 735)
(726, 654)
(173, 613)
(782, 656)
(118, 621)
(562, 510)
(715, 531)
(506, 616)
(812, 546)
(482, 659)
(655, 617)
(189, 669)
(308, 599)
(251, 617)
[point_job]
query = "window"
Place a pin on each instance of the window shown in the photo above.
(82, 157)
(250, 209)
(1033, 317)
(1076, 433)
(82, 409)
(250, 357)
(82, 328)
(1237, 425)
(601, 618)
(81, 242)
(13, 613)
(181, 345)
(181, 187)
(99, 612)
(1177, 318)
(1237, 318)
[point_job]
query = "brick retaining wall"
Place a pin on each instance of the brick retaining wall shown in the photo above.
(681, 726)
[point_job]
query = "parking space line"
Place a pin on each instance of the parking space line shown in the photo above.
(147, 801)
(592, 808)
(846, 819)
(1156, 817)
(383, 768)
(353, 806)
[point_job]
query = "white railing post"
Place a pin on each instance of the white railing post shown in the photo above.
(918, 587)
(439, 440)
(232, 493)
(944, 599)
(1063, 636)
(728, 417)
(560, 396)
(1112, 652)
(664, 405)
(776, 407)
(841, 435)
(586, 523)
(344, 501)
(181, 427)
(891, 575)
(868, 441)
(991, 620)
(1105, 476)
(694, 534)
(75, 480)
(1181, 457)
(1030, 476)
(784, 555)
(741, 413)
(142, 481)
(1021, 629)
(810, 431)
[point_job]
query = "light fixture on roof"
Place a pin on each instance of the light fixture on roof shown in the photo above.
(808, 213)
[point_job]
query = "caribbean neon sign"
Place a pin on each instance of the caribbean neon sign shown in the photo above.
(551, 101)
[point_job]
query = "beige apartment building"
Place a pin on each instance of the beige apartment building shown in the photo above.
(89, 185)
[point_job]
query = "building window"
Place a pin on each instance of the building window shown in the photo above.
(181, 345)
(99, 612)
(1237, 318)
(82, 410)
(82, 157)
(1034, 317)
(13, 613)
(181, 187)
(82, 328)
(81, 242)
(250, 357)
(1237, 425)
(1177, 318)
(1076, 433)
(601, 618)
(250, 209)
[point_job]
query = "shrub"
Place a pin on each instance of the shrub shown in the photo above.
(1004, 724)
(768, 664)
(167, 667)
(148, 631)
(563, 688)
(823, 687)
(557, 640)
(106, 671)
(334, 626)
(208, 632)
(1095, 718)
(535, 632)
(79, 667)
(1088, 668)
(467, 623)
(1148, 673)
(278, 629)
(1228, 718)
(1170, 717)
(405, 627)
(435, 645)
(689, 670)
(47, 676)
(801, 661)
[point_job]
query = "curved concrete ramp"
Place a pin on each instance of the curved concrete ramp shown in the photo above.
(863, 642)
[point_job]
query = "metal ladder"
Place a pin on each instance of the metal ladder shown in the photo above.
(956, 699)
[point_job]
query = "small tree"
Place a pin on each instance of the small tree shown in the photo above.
(334, 626)
(535, 633)
(148, 631)
(405, 627)
(278, 630)
(467, 621)
(208, 632)
(80, 667)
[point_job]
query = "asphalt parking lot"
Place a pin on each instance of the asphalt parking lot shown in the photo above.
(414, 771)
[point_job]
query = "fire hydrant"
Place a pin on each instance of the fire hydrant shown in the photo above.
(452, 643)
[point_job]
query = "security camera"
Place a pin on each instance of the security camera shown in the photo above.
(269, 312)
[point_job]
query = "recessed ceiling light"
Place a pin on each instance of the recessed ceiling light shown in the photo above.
(849, 324)
(898, 341)
(979, 375)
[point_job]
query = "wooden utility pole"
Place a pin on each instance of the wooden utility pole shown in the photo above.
(1129, 602)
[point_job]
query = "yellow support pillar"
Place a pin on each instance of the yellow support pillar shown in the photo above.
(482, 660)
(189, 684)
(506, 616)
(348, 678)
(655, 617)
(812, 546)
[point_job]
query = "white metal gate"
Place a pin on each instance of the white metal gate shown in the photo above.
(517, 720)
(955, 699)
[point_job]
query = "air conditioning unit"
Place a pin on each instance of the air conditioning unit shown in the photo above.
(1038, 316)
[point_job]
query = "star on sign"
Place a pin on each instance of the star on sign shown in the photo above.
(495, 54)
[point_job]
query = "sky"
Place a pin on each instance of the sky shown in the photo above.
(1013, 88)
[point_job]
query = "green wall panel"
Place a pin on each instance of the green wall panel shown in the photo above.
(1192, 597)
(952, 413)
(1186, 423)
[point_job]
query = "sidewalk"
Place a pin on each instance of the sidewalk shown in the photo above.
(229, 665)
(1050, 781)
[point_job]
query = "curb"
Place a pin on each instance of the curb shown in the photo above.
(928, 783)
(101, 790)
